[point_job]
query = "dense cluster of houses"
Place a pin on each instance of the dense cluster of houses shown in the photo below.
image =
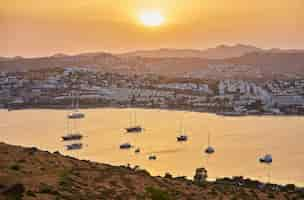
(53, 87)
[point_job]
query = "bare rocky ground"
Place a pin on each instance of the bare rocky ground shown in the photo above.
(28, 173)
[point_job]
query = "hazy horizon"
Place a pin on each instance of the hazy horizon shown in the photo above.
(139, 50)
(34, 28)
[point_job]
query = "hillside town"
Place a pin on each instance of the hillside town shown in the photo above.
(52, 88)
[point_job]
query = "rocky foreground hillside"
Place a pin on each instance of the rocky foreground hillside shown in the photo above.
(28, 173)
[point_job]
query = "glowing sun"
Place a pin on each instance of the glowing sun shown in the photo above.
(152, 18)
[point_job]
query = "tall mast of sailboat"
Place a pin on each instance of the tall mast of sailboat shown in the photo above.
(77, 101)
(130, 118)
(67, 124)
(72, 94)
(182, 127)
(135, 119)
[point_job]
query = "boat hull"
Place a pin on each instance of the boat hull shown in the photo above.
(182, 139)
(76, 116)
(134, 129)
(74, 147)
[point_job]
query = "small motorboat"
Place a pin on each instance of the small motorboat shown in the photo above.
(75, 146)
(125, 146)
(152, 157)
(209, 150)
(182, 138)
(70, 137)
(137, 150)
(134, 129)
(266, 159)
(76, 115)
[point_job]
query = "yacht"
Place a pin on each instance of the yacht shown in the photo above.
(133, 127)
(182, 138)
(125, 146)
(75, 146)
(70, 137)
(209, 149)
(266, 159)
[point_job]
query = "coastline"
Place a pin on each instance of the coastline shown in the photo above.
(185, 109)
(47, 175)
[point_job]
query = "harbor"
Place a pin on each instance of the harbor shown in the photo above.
(157, 149)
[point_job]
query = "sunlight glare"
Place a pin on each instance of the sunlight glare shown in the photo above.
(151, 18)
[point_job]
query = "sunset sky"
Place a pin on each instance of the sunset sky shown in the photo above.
(39, 28)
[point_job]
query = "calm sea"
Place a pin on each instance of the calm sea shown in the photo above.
(238, 141)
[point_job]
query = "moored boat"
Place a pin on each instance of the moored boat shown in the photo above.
(75, 146)
(134, 129)
(182, 138)
(70, 137)
(125, 146)
(152, 157)
(266, 159)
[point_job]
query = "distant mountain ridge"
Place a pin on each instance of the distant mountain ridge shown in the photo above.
(174, 61)
(219, 52)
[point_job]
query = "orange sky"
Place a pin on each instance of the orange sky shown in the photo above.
(40, 27)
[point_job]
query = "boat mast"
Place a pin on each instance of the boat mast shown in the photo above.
(130, 118)
(77, 101)
(72, 100)
(135, 119)
(67, 124)
(181, 125)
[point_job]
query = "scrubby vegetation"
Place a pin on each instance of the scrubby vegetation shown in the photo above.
(27, 174)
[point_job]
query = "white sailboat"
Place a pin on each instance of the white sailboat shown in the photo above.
(75, 114)
(72, 129)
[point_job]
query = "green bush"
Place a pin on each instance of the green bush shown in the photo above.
(271, 196)
(47, 189)
(157, 194)
(30, 193)
(15, 167)
(64, 179)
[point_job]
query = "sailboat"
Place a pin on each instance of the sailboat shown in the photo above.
(72, 136)
(76, 114)
(182, 137)
(209, 149)
(125, 146)
(134, 128)
(72, 132)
